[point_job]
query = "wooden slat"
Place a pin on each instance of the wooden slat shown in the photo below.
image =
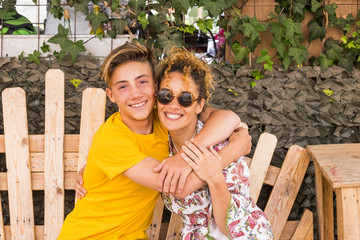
(260, 163)
(37, 143)
(271, 175)
(154, 230)
(38, 183)
(289, 230)
(305, 225)
(348, 212)
(175, 227)
(39, 232)
(286, 188)
(54, 147)
(2, 232)
(18, 164)
(92, 116)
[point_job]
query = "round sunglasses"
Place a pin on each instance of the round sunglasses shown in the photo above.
(165, 96)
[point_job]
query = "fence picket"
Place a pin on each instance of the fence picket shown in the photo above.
(54, 153)
(18, 164)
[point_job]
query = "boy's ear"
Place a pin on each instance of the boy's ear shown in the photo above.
(110, 95)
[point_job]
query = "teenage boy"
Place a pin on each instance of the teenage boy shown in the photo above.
(119, 178)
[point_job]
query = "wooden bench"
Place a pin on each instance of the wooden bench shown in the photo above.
(50, 162)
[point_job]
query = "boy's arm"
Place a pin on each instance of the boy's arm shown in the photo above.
(143, 174)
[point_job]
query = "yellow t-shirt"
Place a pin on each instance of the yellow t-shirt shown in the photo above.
(115, 207)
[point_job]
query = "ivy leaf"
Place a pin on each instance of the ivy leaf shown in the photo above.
(330, 8)
(344, 39)
(59, 55)
(119, 25)
(286, 61)
(181, 6)
(187, 29)
(291, 28)
(45, 48)
(299, 8)
(264, 56)
(75, 82)
(335, 53)
(157, 21)
(168, 40)
(299, 53)
(60, 37)
(328, 92)
(316, 31)
(57, 12)
(214, 7)
(82, 7)
(96, 20)
(235, 93)
(73, 48)
(204, 24)
(239, 52)
(325, 63)
(252, 84)
(34, 57)
(346, 63)
(114, 5)
(269, 65)
(21, 56)
(143, 20)
(136, 4)
(315, 5)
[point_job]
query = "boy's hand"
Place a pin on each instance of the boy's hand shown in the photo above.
(242, 139)
(79, 189)
(173, 173)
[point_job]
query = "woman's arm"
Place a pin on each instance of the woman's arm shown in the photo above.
(208, 166)
(219, 124)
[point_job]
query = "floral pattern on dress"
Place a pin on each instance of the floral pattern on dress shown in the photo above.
(244, 219)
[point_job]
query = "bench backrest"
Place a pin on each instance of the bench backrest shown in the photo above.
(46, 162)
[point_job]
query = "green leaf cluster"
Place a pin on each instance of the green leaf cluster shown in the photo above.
(287, 39)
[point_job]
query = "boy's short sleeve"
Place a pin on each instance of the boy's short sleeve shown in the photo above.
(114, 153)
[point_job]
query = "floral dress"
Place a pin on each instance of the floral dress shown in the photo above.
(244, 219)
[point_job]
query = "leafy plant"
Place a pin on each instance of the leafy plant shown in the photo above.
(67, 46)
(34, 57)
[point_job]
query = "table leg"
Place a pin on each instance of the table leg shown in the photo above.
(319, 201)
(348, 212)
(328, 201)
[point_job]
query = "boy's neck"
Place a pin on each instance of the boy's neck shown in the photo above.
(143, 127)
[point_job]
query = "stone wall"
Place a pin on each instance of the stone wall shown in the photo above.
(292, 105)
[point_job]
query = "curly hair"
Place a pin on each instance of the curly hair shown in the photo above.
(129, 52)
(188, 64)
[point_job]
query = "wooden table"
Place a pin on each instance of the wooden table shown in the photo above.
(337, 168)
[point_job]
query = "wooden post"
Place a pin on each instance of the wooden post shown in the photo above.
(54, 152)
(18, 164)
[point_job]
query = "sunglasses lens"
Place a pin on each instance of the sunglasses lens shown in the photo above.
(185, 99)
(164, 96)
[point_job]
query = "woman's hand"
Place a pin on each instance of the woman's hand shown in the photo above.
(206, 164)
(79, 189)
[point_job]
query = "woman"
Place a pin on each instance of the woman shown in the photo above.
(222, 209)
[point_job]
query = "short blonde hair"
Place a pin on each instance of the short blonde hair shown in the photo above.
(129, 52)
(188, 64)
